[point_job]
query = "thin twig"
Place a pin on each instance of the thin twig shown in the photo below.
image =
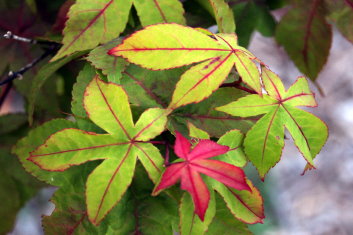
(50, 48)
(19, 74)
(10, 35)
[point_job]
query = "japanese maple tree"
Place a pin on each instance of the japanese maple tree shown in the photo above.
(154, 133)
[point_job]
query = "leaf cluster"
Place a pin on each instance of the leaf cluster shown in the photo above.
(153, 103)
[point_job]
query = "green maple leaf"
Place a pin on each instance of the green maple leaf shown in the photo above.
(222, 13)
(264, 142)
(179, 46)
(92, 22)
(107, 106)
(148, 88)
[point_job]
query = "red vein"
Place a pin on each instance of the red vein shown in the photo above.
(148, 91)
(230, 46)
(89, 25)
(297, 95)
(260, 105)
(308, 30)
(172, 49)
(242, 202)
(227, 118)
(267, 133)
(148, 126)
(144, 152)
(299, 127)
(112, 111)
(211, 170)
(204, 78)
(72, 230)
(160, 11)
(196, 196)
(242, 63)
(85, 11)
(111, 180)
(277, 91)
(79, 149)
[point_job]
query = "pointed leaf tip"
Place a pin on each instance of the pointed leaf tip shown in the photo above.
(179, 46)
(264, 142)
(182, 146)
(196, 162)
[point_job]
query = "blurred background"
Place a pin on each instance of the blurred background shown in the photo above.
(319, 202)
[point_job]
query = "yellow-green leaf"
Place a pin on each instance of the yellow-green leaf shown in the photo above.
(92, 22)
(159, 11)
(106, 105)
(178, 46)
(265, 140)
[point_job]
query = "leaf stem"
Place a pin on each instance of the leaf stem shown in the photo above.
(236, 84)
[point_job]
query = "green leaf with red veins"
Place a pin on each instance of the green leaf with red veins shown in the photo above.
(203, 115)
(264, 141)
(159, 11)
(36, 137)
(195, 162)
(197, 133)
(190, 224)
(107, 106)
(222, 13)
(224, 223)
(246, 206)
(179, 46)
(85, 76)
(110, 66)
(70, 215)
(92, 22)
(235, 156)
(148, 89)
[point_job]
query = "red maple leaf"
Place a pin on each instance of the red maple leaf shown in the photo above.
(195, 162)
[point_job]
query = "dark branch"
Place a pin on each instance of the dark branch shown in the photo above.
(18, 74)
(50, 48)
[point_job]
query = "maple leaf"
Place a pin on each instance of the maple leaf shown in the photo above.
(222, 13)
(179, 46)
(264, 142)
(107, 106)
(92, 22)
(196, 161)
(246, 206)
(311, 36)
